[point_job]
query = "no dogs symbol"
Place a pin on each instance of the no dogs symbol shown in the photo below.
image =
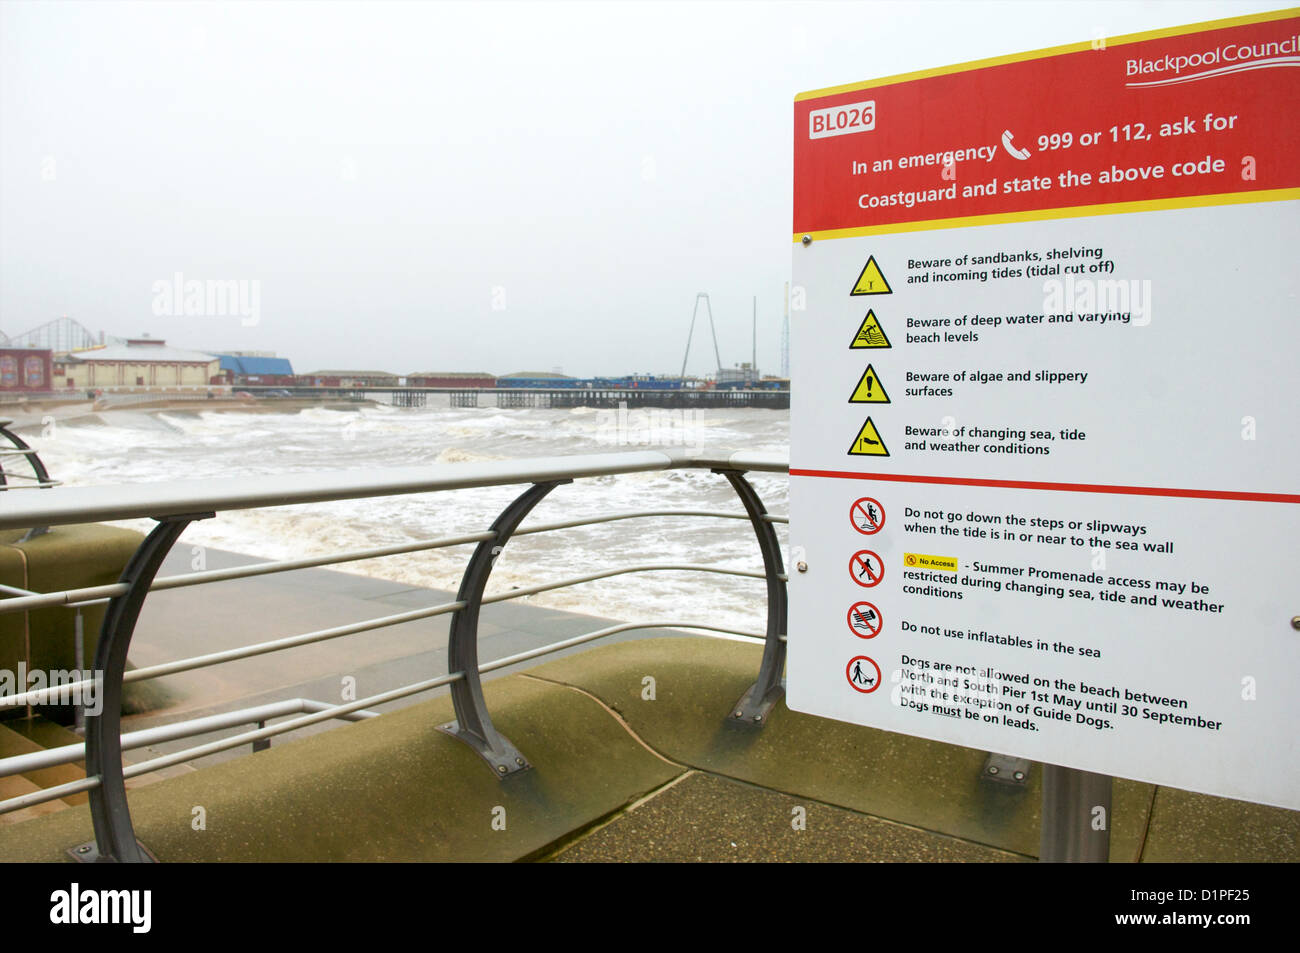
(863, 674)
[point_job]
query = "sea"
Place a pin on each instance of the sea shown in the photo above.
(139, 446)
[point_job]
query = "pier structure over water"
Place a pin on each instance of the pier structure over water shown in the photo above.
(558, 397)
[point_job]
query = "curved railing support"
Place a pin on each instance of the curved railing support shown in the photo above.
(755, 705)
(42, 476)
(114, 834)
(473, 724)
(38, 468)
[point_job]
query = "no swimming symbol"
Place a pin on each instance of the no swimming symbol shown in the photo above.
(867, 515)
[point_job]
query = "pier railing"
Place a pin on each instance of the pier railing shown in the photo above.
(175, 505)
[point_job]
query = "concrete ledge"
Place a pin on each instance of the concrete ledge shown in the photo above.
(912, 781)
(388, 789)
(68, 557)
(395, 789)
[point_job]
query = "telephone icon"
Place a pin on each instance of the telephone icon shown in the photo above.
(1012, 151)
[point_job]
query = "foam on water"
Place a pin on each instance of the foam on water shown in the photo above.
(137, 446)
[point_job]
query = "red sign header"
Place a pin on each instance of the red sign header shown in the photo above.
(1136, 120)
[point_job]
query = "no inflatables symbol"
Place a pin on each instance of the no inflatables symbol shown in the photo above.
(866, 568)
(867, 515)
(865, 620)
(871, 281)
(863, 674)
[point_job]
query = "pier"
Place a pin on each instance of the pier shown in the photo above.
(549, 397)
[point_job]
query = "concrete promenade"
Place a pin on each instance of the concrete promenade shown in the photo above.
(617, 776)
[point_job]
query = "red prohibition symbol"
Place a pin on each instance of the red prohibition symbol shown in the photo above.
(866, 568)
(863, 674)
(865, 620)
(867, 516)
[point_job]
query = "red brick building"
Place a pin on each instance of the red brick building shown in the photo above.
(27, 370)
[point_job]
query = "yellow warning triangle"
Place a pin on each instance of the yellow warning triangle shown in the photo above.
(871, 281)
(869, 389)
(868, 442)
(870, 333)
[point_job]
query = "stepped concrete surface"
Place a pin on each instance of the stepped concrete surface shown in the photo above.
(616, 777)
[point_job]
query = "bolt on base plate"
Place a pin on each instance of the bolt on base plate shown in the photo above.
(1006, 770)
(88, 853)
(504, 760)
(755, 711)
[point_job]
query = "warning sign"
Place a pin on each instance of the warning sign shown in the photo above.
(868, 443)
(1085, 261)
(866, 568)
(867, 515)
(863, 674)
(869, 389)
(870, 334)
(871, 281)
(865, 620)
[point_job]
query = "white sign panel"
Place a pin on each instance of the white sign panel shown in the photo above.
(1045, 448)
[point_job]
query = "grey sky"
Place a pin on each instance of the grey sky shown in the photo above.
(381, 169)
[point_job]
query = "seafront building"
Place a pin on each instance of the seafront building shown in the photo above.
(139, 362)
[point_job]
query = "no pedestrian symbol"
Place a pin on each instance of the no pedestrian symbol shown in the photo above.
(866, 568)
(867, 515)
(863, 674)
(865, 620)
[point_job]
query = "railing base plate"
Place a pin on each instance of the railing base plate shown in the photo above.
(88, 853)
(504, 760)
(752, 709)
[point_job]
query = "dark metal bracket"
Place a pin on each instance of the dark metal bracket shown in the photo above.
(114, 834)
(761, 697)
(473, 724)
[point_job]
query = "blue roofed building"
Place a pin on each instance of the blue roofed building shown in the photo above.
(256, 369)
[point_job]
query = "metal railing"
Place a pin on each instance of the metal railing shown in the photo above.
(175, 505)
(1070, 797)
(15, 448)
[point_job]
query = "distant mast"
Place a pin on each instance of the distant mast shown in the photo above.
(785, 336)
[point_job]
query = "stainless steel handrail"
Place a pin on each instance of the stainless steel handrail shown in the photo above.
(71, 754)
(78, 504)
(344, 711)
(44, 695)
(177, 504)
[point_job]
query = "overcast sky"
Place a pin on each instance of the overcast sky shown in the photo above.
(438, 186)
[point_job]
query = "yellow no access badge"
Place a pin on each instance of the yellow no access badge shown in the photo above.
(868, 443)
(871, 281)
(922, 561)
